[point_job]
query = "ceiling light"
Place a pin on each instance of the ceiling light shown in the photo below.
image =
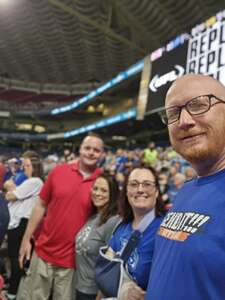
(119, 138)
(23, 126)
(101, 107)
(105, 112)
(39, 129)
(91, 109)
(5, 2)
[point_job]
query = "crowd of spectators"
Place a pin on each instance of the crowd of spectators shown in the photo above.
(173, 170)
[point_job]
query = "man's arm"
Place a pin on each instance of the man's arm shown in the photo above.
(36, 216)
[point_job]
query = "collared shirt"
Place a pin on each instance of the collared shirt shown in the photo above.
(66, 193)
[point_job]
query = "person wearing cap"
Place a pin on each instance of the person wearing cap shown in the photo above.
(15, 171)
(19, 175)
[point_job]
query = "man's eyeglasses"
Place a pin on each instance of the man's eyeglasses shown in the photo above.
(147, 185)
(194, 107)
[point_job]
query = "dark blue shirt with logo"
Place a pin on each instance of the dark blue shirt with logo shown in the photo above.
(189, 260)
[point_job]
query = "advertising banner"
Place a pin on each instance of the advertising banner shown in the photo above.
(202, 53)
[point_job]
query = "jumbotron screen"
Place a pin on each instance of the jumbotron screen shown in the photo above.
(202, 53)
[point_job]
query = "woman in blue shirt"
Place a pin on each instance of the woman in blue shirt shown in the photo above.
(140, 196)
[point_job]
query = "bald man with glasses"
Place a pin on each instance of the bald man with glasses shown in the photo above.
(189, 261)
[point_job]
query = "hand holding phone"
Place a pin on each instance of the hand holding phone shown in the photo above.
(26, 265)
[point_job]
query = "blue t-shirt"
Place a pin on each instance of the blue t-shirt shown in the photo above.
(139, 263)
(120, 163)
(189, 260)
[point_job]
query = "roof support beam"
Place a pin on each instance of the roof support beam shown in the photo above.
(138, 28)
(96, 25)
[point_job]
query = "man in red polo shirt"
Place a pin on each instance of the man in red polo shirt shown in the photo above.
(65, 204)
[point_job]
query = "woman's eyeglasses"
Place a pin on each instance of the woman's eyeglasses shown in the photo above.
(134, 185)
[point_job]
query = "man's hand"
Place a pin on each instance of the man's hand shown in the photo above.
(131, 291)
(135, 293)
(26, 246)
(25, 252)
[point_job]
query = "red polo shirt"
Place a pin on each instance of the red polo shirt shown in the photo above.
(67, 197)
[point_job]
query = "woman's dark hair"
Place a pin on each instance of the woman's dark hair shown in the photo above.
(125, 209)
(36, 163)
(111, 207)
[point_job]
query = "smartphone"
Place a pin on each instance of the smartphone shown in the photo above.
(26, 265)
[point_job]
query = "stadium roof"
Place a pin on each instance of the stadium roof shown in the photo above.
(54, 50)
(69, 42)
